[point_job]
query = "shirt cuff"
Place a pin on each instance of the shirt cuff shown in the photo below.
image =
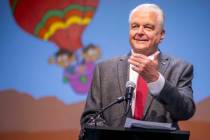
(156, 86)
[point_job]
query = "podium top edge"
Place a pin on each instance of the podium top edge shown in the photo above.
(138, 130)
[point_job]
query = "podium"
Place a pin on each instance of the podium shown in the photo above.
(99, 133)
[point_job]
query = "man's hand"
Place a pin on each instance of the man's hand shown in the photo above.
(147, 67)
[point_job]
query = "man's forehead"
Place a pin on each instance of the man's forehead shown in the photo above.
(145, 13)
(144, 16)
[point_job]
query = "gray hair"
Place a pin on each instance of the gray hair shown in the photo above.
(152, 7)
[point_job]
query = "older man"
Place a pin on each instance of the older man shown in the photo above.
(163, 83)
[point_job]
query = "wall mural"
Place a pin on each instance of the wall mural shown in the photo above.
(62, 22)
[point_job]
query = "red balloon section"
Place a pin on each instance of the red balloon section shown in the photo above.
(59, 21)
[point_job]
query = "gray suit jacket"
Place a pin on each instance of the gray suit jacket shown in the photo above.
(174, 103)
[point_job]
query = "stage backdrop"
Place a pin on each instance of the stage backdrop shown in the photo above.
(49, 50)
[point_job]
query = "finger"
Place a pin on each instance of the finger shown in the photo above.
(136, 69)
(136, 55)
(133, 62)
(138, 59)
(156, 55)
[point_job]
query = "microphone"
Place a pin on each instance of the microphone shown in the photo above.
(130, 86)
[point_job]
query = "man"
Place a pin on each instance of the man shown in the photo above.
(166, 81)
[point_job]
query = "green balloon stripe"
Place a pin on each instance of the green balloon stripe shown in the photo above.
(60, 13)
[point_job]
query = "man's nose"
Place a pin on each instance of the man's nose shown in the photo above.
(141, 30)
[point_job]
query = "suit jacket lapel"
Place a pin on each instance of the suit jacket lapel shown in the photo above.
(163, 64)
(123, 73)
(123, 70)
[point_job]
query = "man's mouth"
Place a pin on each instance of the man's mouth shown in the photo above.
(142, 39)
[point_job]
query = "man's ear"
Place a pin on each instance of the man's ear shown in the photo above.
(162, 35)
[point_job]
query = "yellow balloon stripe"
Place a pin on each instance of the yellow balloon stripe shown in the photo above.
(62, 25)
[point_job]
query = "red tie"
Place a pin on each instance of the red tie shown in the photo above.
(141, 96)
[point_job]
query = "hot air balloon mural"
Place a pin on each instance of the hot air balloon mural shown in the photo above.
(63, 23)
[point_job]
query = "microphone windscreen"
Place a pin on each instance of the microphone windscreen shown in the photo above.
(130, 84)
